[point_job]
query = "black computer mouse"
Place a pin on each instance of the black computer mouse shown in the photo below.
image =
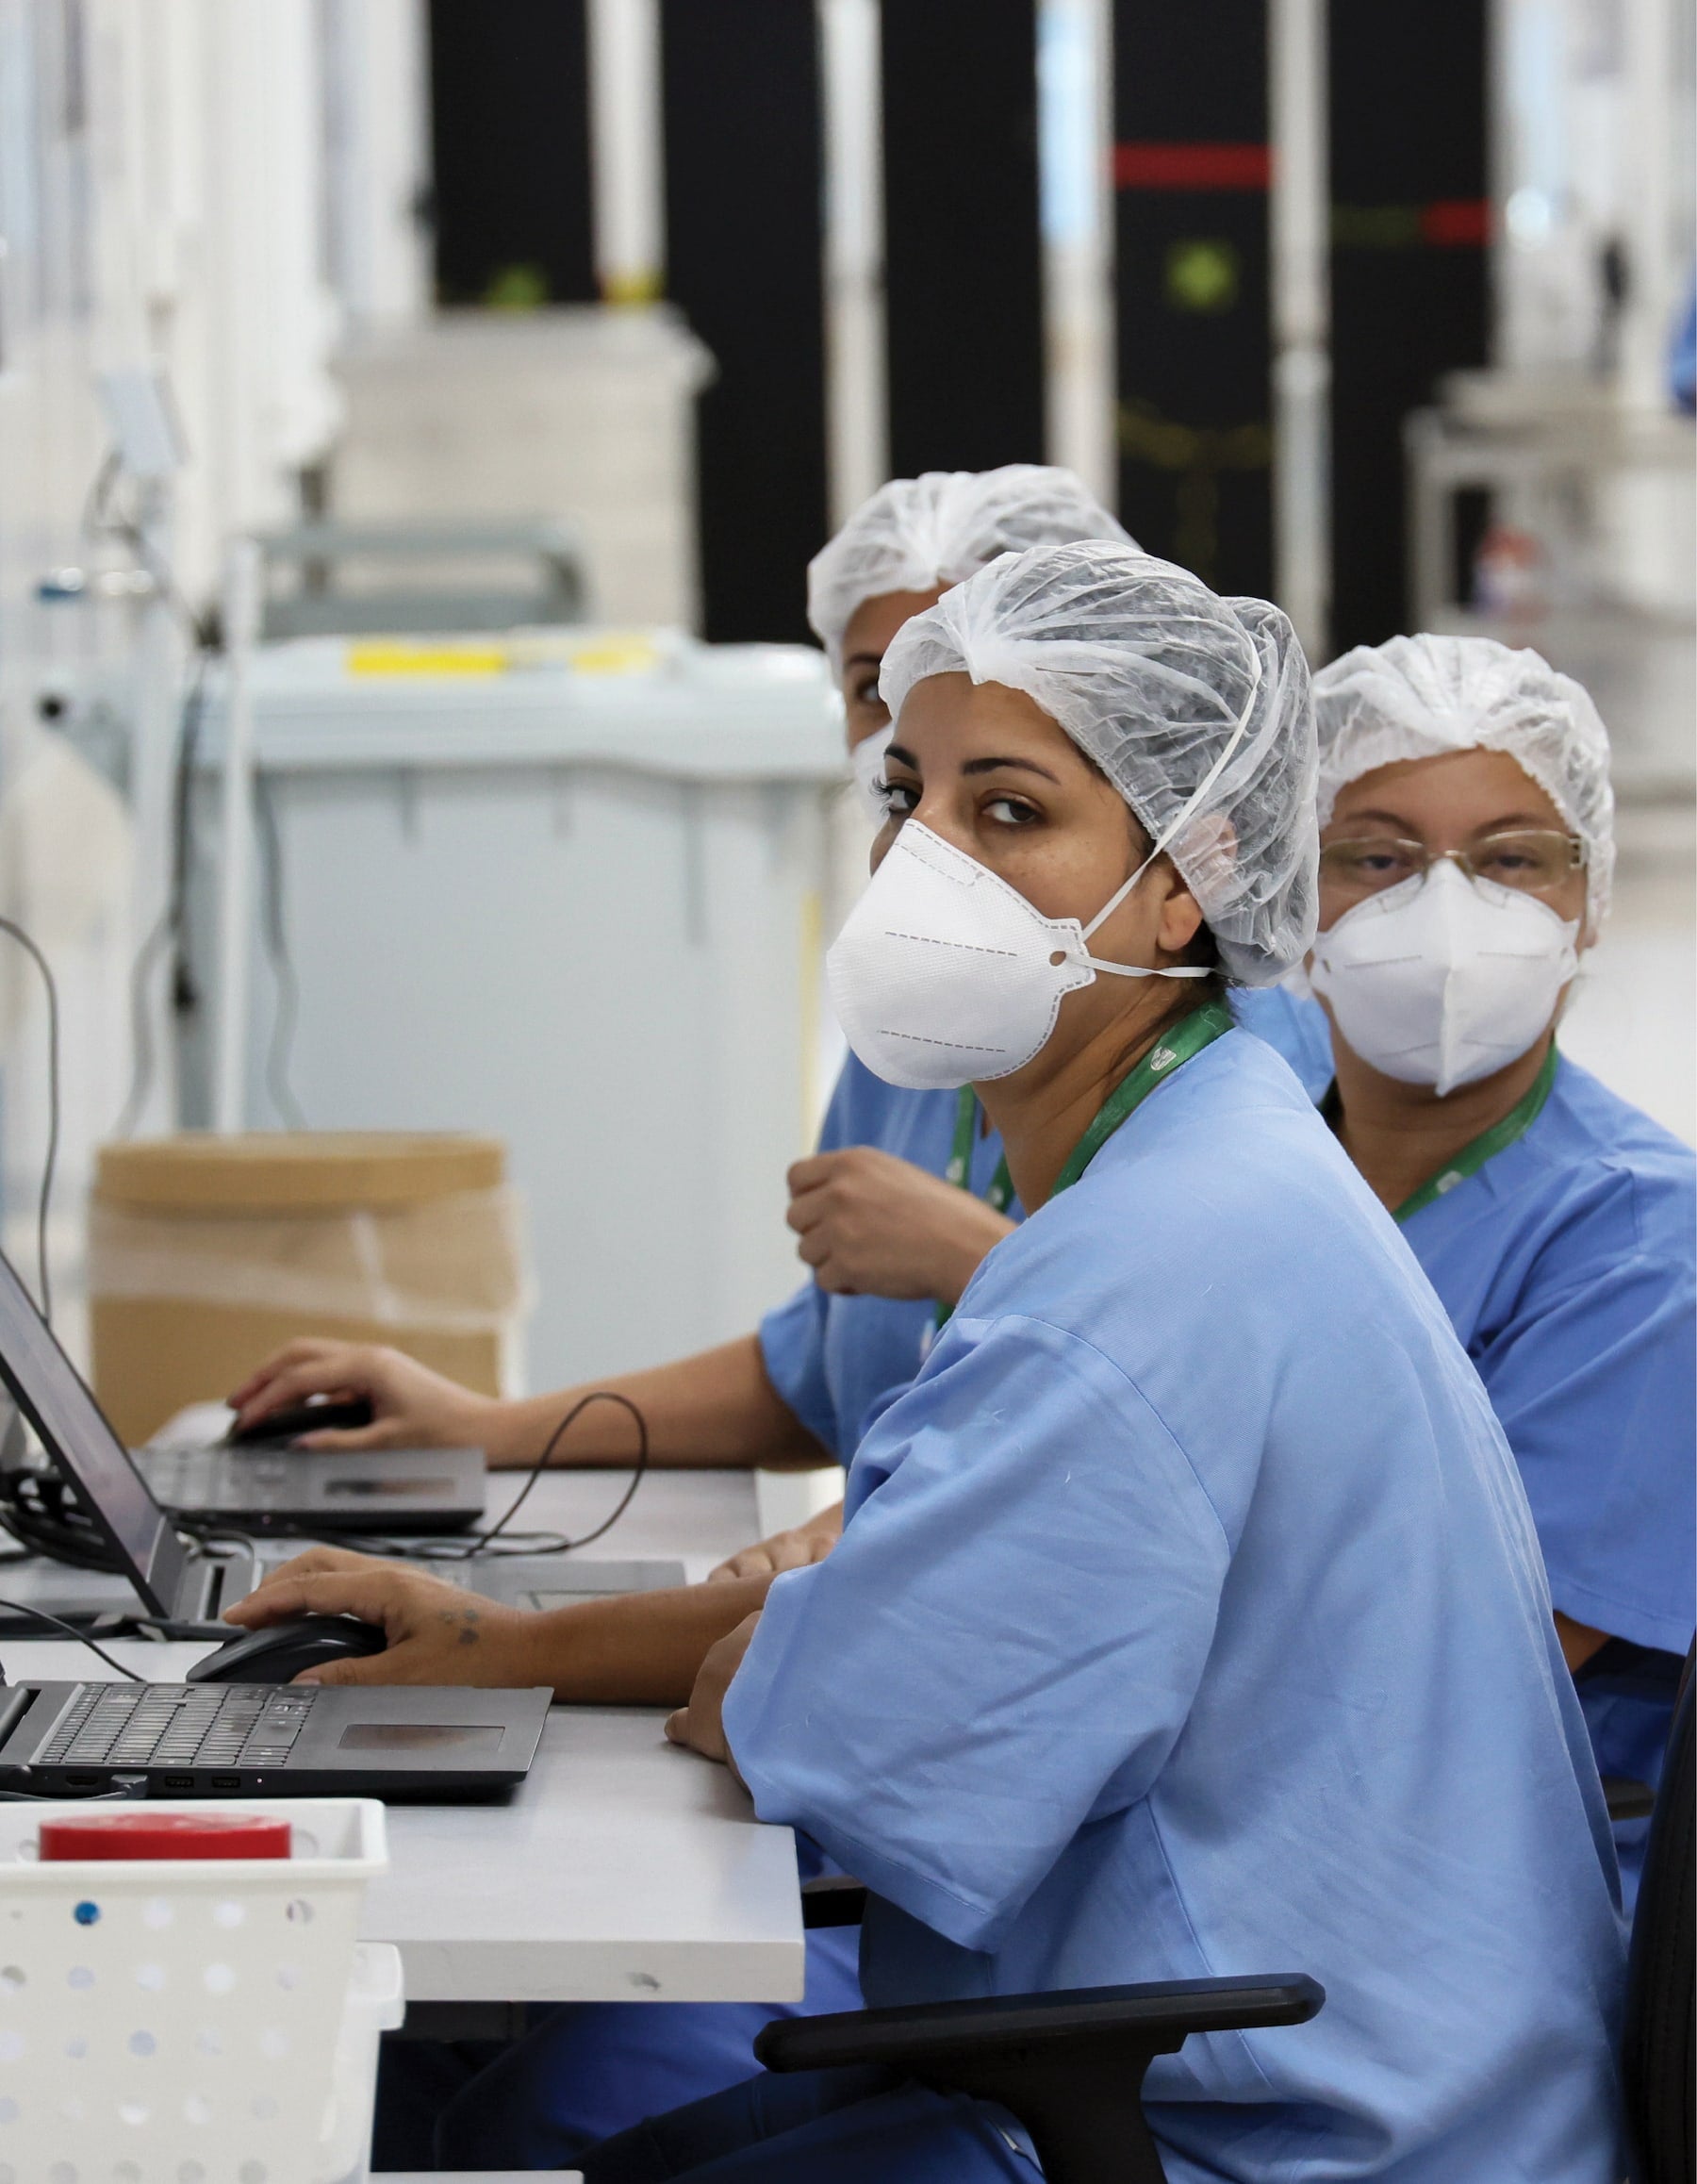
(278, 1428)
(278, 1653)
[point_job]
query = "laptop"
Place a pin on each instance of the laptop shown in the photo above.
(180, 1581)
(412, 1491)
(267, 1740)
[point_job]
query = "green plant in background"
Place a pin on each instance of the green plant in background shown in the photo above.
(1202, 274)
(517, 288)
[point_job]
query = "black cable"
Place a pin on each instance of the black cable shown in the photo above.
(482, 1540)
(28, 946)
(173, 926)
(70, 1630)
(283, 970)
(469, 1545)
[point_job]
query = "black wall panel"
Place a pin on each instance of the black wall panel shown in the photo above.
(1409, 276)
(743, 260)
(510, 143)
(1195, 353)
(963, 262)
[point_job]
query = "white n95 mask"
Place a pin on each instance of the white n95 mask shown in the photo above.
(944, 975)
(1442, 981)
(867, 760)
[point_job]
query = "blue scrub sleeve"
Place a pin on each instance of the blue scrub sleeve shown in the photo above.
(1005, 1645)
(1596, 1389)
(792, 1345)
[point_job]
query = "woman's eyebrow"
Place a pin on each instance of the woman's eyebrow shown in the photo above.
(901, 757)
(1022, 765)
(863, 660)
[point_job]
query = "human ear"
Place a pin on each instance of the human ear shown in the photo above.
(1180, 917)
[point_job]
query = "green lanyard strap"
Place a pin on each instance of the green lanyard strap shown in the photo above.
(959, 1171)
(1473, 1156)
(1200, 1028)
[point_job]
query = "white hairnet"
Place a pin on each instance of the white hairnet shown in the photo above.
(915, 534)
(1421, 696)
(1195, 707)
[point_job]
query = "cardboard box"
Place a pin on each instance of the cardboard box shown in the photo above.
(208, 1253)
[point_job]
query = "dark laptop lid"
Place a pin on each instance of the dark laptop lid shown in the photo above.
(73, 1430)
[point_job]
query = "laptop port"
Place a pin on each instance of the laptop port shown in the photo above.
(226, 1781)
(176, 1781)
(82, 1781)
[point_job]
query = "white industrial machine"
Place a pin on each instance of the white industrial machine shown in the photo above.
(566, 886)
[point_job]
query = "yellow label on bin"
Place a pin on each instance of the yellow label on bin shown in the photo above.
(394, 656)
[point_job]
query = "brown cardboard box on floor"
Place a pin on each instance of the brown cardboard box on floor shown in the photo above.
(207, 1253)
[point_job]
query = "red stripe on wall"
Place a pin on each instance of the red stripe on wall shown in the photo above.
(1456, 222)
(1191, 166)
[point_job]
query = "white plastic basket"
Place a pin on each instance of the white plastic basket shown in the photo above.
(196, 2020)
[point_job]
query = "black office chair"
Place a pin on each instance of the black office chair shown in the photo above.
(1659, 2051)
(1071, 2066)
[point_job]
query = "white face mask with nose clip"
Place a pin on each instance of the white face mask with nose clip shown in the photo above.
(1443, 980)
(944, 975)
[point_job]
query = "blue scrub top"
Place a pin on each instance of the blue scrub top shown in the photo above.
(1189, 1620)
(1567, 1265)
(838, 1360)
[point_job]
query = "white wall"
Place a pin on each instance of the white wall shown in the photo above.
(163, 201)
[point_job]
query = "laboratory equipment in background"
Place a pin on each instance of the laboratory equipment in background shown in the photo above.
(1588, 551)
(567, 889)
(497, 416)
(330, 579)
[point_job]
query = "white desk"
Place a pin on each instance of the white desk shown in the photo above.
(623, 1869)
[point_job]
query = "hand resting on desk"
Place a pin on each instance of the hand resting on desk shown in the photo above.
(629, 1649)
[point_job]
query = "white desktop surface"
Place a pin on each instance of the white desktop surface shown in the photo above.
(623, 1868)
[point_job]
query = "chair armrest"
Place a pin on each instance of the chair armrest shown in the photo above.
(1626, 1800)
(832, 1899)
(1158, 2016)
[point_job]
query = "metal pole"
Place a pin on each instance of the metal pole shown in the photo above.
(1075, 134)
(626, 150)
(1301, 224)
(235, 836)
(856, 393)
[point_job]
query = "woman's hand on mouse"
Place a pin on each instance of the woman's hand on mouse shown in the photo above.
(436, 1633)
(411, 1406)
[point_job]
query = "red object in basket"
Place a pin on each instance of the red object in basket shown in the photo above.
(136, 1835)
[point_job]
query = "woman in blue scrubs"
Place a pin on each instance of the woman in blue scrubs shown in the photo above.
(1187, 1617)
(894, 1211)
(1468, 844)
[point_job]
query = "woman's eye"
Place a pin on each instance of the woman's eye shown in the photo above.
(865, 696)
(1012, 811)
(897, 797)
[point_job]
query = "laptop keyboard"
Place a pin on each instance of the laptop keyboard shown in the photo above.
(200, 1478)
(180, 1725)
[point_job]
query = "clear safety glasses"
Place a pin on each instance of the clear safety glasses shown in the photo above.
(1534, 860)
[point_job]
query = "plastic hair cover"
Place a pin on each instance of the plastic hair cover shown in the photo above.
(1195, 707)
(915, 534)
(1419, 696)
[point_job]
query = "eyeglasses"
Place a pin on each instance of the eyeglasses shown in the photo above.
(1534, 860)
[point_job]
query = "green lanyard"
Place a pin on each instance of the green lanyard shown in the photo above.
(1473, 1155)
(959, 1171)
(1200, 1028)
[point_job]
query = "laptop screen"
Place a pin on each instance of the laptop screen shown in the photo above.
(49, 1391)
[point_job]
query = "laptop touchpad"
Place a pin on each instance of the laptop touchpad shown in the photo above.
(421, 1736)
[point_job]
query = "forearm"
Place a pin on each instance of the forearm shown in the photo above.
(639, 1649)
(716, 1408)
